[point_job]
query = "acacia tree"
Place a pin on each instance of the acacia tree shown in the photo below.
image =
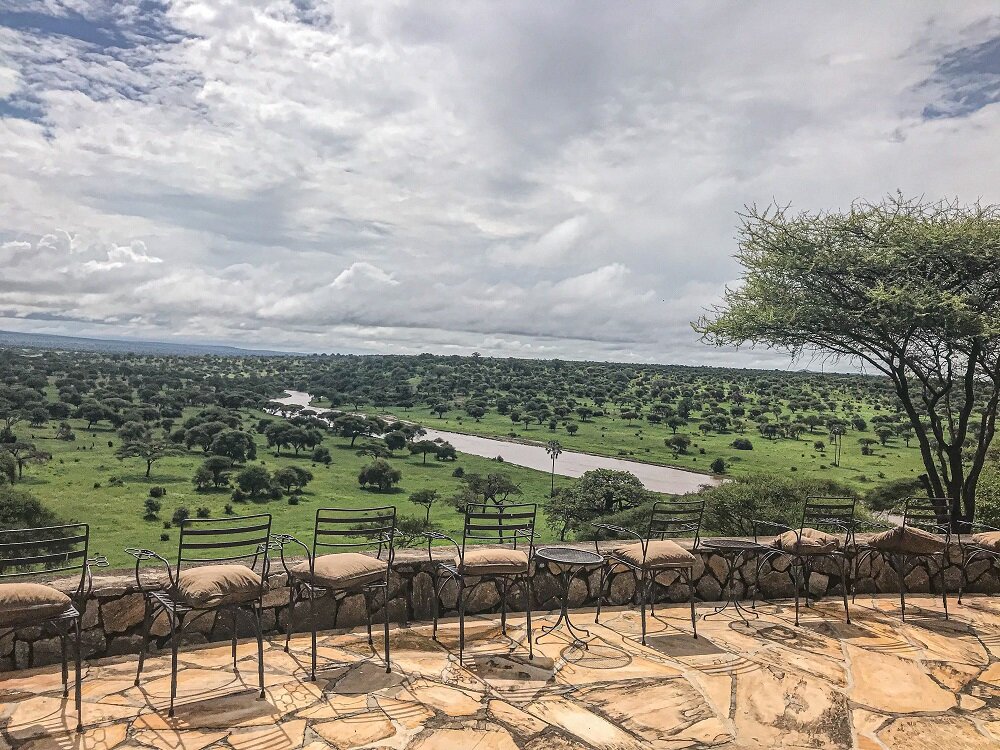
(907, 287)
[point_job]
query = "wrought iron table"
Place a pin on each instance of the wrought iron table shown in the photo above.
(569, 560)
(734, 552)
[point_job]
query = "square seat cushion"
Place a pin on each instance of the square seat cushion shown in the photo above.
(22, 603)
(484, 561)
(812, 542)
(988, 540)
(217, 585)
(345, 570)
(908, 540)
(660, 553)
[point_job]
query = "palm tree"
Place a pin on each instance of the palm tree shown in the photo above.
(553, 448)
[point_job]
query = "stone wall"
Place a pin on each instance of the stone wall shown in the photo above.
(112, 620)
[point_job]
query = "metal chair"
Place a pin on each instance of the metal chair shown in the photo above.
(223, 580)
(44, 551)
(983, 543)
(826, 532)
(656, 552)
(924, 533)
(346, 571)
(502, 525)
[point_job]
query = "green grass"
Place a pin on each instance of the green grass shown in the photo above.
(75, 484)
(642, 441)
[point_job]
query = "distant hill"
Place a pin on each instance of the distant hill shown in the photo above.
(12, 339)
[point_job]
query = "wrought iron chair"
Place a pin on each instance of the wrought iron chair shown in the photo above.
(982, 543)
(44, 551)
(826, 532)
(656, 552)
(502, 525)
(344, 571)
(228, 550)
(924, 534)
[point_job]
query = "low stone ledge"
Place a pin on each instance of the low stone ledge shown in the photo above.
(112, 621)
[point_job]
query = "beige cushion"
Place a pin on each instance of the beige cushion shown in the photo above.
(22, 603)
(346, 570)
(660, 553)
(988, 539)
(908, 540)
(812, 542)
(217, 585)
(484, 561)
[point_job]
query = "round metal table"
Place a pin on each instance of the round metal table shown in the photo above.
(569, 560)
(734, 552)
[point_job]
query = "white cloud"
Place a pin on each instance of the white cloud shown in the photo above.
(556, 179)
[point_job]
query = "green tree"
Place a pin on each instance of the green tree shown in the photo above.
(599, 492)
(149, 451)
(423, 447)
(292, 478)
(425, 499)
(20, 509)
(907, 287)
(219, 469)
(236, 445)
(379, 474)
(254, 480)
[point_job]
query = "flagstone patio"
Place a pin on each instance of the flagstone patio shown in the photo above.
(877, 683)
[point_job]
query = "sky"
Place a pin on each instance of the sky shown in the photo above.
(554, 179)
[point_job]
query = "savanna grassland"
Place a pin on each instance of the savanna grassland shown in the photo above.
(77, 429)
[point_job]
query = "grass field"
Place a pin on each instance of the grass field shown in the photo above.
(75, 484)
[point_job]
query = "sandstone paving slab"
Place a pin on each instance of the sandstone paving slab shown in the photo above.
(935, 733)
(888, 683)
(516, 719)
(355, 731)
(186, 739)
(587, 726)
(288, 735)
(50, 716)
(449, 700)
(493, 738)
(97, 738)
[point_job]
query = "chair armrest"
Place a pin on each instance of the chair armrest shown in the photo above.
(87, 584)
(756, 522)
(280, 541)
(433, 536)
(141, 556)
(618, 530)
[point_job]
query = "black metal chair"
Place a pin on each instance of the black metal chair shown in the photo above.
(826, 532)
(44, 551)
(656, 552)
(220, 578)
(924, 534)
(982, 543)
(506, 526)
(346, 571)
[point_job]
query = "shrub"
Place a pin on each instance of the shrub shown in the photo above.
(167, 525)
(164, 537)
(203, 512)
(116, 482)
(718, 466)
(321, 455)
(97, 485)
(742, 444)
(157, 491)
(229, 510)
(180, 515)
(293, 499)
(20, 509)
(152, 506)
(892, 494)
(458, 473)
(379, 474)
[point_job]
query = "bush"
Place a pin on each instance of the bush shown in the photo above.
(229, 510)
(718, 466)
(180, 515)
(892, 494)
(157, 491)
(164, 537)
(203, 512)
(167, 525)
(116, 482)
(742, 444)
(458, 473)
(20, 509)
(380, 475)
(322, 456)
(293, 499)
(152, 506)
(729, 507)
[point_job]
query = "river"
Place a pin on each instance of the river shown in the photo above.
(663, 479)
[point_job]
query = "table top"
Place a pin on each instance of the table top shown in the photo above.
(569, 556)
(736, 545)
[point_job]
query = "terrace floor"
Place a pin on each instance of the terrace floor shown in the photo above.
(877, 683)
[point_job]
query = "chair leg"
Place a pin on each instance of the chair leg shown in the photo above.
(368, 615)
(694, 616)
(642, 605)
(796, 576)
(435, 594)
(291, 610)
(806, 575)
(600, 592)
(385, 628)
(312, 631)
(962, 577)
(257, 612)
(147, 623)
(898, 564)
(504, 587)
(79, 673)
(845, 570)
(175, 636)
(461, 620)
(527, 605)
(944, 587)
(65, 663)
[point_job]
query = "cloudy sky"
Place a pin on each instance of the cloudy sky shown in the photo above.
(518, 178)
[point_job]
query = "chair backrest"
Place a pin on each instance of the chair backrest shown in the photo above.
(500, 524)
(928, 513)
(676, 518)
(355, 529)
(830, 514)
(212, 540)
(44, 550)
